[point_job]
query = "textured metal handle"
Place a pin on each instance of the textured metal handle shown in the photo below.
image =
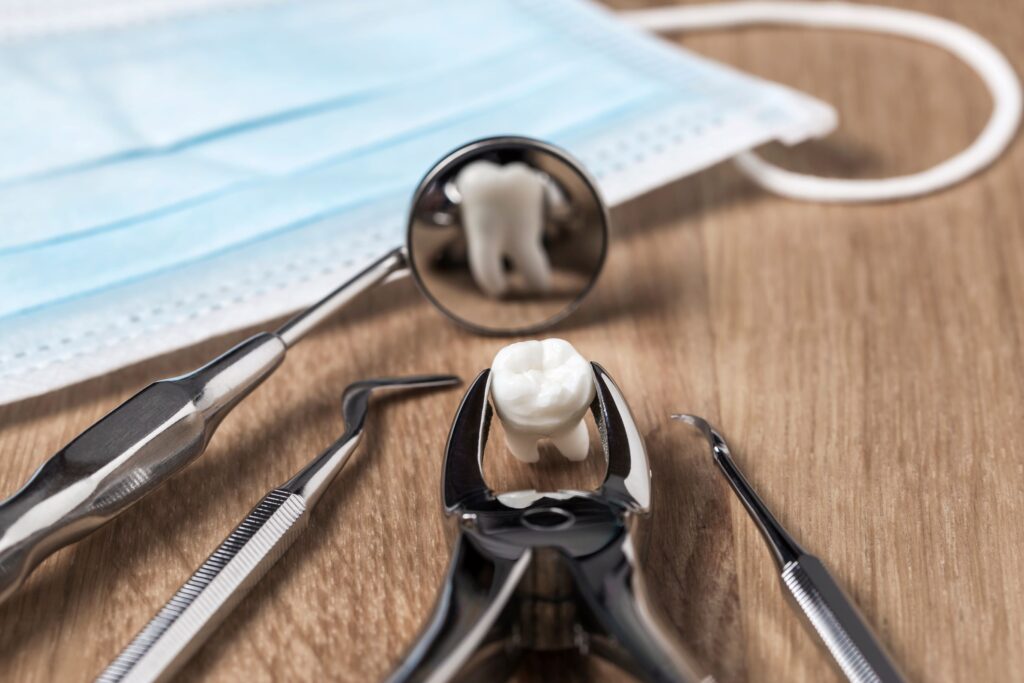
(103, 471)
(124, 456)
(188, 618)
(832, 615)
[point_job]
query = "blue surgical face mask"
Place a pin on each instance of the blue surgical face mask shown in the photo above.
(153, 173)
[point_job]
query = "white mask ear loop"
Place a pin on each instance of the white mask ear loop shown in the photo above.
(975, 51)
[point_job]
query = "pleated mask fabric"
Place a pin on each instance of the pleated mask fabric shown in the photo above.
(169, 180)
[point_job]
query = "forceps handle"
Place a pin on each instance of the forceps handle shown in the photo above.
(202, 603)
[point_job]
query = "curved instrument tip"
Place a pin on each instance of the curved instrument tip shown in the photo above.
(355, 400)
(694, 420)
(699, 422)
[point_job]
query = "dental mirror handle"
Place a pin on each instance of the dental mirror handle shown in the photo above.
(149, 437)
(387, 268)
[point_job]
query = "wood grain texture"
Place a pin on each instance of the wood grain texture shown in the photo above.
(866, 364)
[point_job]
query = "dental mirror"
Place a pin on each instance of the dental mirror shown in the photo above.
(506, 235)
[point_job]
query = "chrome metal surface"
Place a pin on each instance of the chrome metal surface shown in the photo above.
(124, 456)
(181, 627)
(830, 613)
(540, 571)
(391, 264)
(202, 603)
(443, 252)
(145, 440)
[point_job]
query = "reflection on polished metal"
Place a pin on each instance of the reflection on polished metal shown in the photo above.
(507, 235)
(195, 611)
(152, 435)
(543, 571)
(829, 612)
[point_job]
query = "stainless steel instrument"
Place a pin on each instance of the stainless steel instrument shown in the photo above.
(161, 429)
(266, 533)
(828, 610)
(544, 571)
(146, 439)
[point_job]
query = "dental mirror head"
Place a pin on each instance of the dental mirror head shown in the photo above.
(507, 235)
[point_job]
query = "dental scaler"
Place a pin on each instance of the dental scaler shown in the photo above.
(829, 611)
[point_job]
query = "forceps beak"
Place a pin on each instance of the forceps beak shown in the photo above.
(462, 476)
(628, 480)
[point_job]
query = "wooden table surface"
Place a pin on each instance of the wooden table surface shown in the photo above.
(866, 364)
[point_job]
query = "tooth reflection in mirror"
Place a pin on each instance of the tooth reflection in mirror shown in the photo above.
(507, 235)
(502, 211)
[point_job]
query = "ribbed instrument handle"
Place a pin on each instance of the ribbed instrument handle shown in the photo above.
(188, 618)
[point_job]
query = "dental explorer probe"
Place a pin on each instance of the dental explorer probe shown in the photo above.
(828, 610)
(257, 543)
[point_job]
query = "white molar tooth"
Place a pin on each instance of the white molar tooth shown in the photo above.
(543, 389)
(574, 443)
(523, 445)
(502, 211)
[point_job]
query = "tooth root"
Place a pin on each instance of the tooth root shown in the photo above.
(532, 261)
(522, 445)
(485, 258)
(573, 443)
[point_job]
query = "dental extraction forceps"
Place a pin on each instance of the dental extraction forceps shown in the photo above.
(543, 571)
(256, 544)
(136, 447)
(828, 610)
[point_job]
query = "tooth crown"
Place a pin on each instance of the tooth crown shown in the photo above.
(502, 186)
(543, 389)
